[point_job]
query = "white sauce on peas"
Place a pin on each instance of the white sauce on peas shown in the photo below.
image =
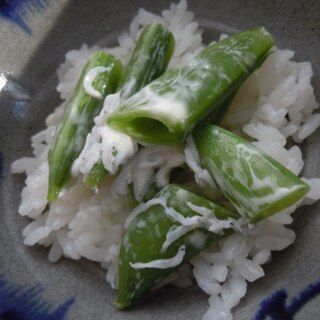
(243, 172)
(205, 219)
(162, 263)
(90, 77)
(114, 148)
(157, 106)
(172, 103)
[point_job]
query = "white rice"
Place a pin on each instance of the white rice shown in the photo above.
(276, 103)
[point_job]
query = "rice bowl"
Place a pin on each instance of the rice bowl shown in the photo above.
(74, 235)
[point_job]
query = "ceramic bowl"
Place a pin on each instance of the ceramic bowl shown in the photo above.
(29, 57)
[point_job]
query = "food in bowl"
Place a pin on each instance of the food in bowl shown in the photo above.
(168, 191)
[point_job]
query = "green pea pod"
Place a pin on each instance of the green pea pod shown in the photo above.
(77, 120)
(149, 60)
(163, 234)
(257, 185)
(217, 115)
(96, 174)
(169, 108)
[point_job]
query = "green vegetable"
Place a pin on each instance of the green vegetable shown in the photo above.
(217, 115)
(77, 120)
(257, 185)
(145, 239)
(170, 107)
(149, 60)
(96, 174)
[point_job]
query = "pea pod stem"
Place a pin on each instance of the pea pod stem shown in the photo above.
(169, 108)
(77, 121)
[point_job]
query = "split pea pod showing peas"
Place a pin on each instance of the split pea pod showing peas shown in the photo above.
(104, 71)
(164, 233)
(149, 60)
(169, 108)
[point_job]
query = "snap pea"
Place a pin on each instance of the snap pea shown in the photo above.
(170, 107)
(155, 231)
(77, 119)
(149, 60)
(96, 174)
(257, 185)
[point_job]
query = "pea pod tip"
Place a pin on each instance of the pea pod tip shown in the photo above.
(121, 305)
